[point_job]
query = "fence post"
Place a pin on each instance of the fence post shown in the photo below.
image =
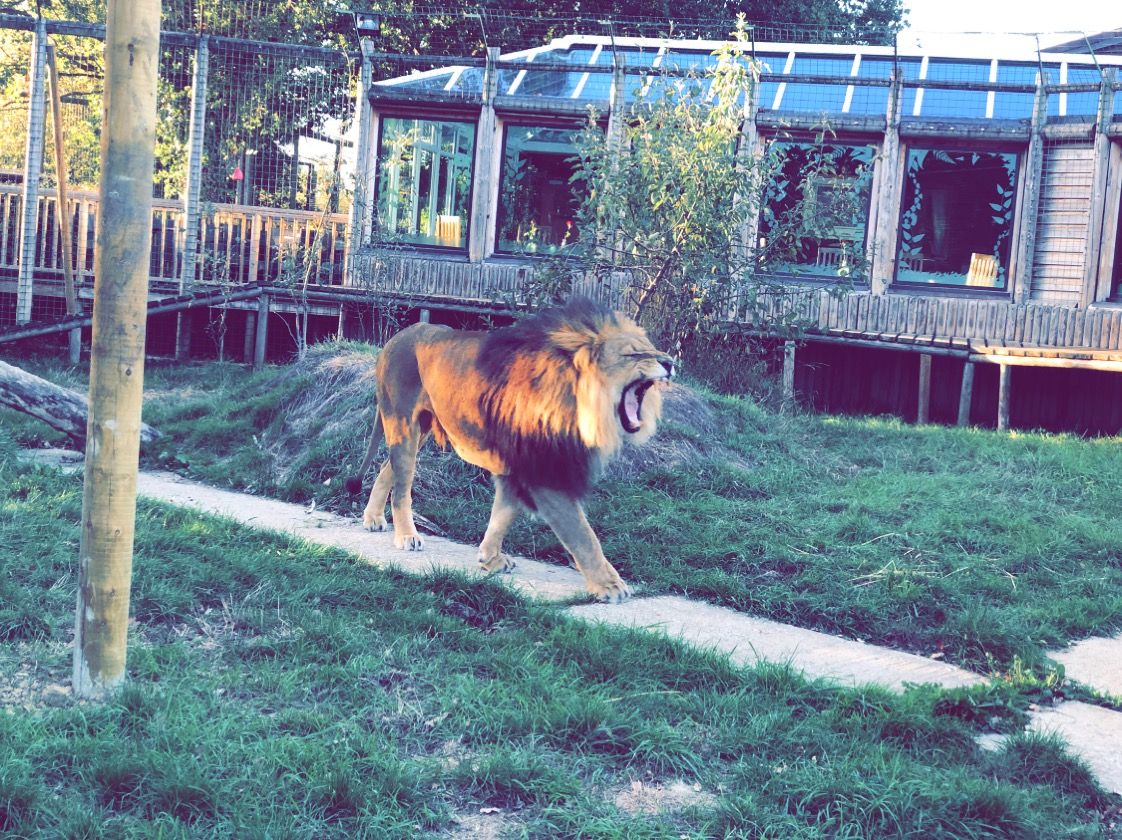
(128, 126)
(1021, 282)
(483, 198)
(32, 167)
(888, 196)
(361, 203)
(193, 187)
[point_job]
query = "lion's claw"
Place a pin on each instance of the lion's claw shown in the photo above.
(613, 593)
(409, 542)
(375, 523)
(502, 563)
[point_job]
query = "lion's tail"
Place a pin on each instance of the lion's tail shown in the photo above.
(354, 483)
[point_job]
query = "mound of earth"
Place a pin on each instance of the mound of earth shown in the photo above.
(335, 407)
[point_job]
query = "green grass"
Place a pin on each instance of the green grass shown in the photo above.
(987, 548)
(278, 689)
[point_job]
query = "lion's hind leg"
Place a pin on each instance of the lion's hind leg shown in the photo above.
(503, 513)
(403, 443)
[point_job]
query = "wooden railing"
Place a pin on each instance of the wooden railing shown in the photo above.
(964, 324)
(237, 243)
(406, 275)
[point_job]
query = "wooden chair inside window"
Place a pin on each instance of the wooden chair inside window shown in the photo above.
(983, 270)
(449, 230)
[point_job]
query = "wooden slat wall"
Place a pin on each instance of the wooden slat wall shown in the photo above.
(1062, 226)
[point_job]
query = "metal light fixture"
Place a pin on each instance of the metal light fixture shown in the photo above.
(368, 24)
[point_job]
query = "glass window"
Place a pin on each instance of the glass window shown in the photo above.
(538, 199)
(957, 218)
(816, 208)
(424, 181)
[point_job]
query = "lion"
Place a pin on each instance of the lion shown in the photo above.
(543, 405)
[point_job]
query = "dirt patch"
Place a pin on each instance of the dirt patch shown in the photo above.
(34, 677)
(654, 798)
(487, 824)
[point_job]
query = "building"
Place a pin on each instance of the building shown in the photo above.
(985, 226)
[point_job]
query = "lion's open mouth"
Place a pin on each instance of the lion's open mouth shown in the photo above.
(631, 405)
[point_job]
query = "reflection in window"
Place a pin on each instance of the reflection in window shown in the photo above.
(424, 181)
(538, 200)
(957, 220)
(815, 209)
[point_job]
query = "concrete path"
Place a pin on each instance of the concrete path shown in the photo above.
(1096, 663)
(1093, 732)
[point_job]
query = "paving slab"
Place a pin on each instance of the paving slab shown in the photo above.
(748, 640)
(540, 580)
(1092, 732)
(1096, 663)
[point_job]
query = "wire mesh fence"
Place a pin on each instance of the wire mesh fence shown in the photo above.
(256, 158)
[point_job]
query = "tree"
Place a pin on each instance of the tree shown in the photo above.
(672, 197)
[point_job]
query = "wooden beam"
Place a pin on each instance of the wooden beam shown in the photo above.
(1004, 385)
(128, 140)
(966, 394)
(62, 208)
(788, 374)
(1028, 208)
(485, 194)
(262, 332)
(923, 404)
(887, 202)
(1091, 289)
(1049, 362)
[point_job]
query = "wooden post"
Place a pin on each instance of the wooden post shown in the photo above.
(485, 194)
(1029, 205)
(32, 168)
(883, 268)
(788, 374)
(1096, 288)
(192, 192)
(249, 339)
(923, 404)
(966, 394)
(425, 315)
(128, 137)
(262, 332)
(1004, 382)
(62, 212)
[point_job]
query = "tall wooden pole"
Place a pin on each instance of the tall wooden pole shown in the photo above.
(62, 214)
(128, 134)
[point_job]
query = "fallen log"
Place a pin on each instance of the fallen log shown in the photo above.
(58, 407)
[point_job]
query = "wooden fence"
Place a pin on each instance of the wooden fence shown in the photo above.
(237, 243)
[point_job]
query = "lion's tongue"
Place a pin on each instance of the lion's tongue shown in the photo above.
(631, 406)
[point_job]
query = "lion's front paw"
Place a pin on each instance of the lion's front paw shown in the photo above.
(498, 563)
(614, 592)
(409, 542)
(374, 522)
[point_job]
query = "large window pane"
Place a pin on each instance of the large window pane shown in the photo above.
(424, 181)
(816, 209)
(538, 200)
(957, 218)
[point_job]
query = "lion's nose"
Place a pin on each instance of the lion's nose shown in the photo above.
(668, 366)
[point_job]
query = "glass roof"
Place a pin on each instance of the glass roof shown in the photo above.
(587, 62)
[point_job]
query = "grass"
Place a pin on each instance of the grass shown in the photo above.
(278, 689)
(986, 548)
